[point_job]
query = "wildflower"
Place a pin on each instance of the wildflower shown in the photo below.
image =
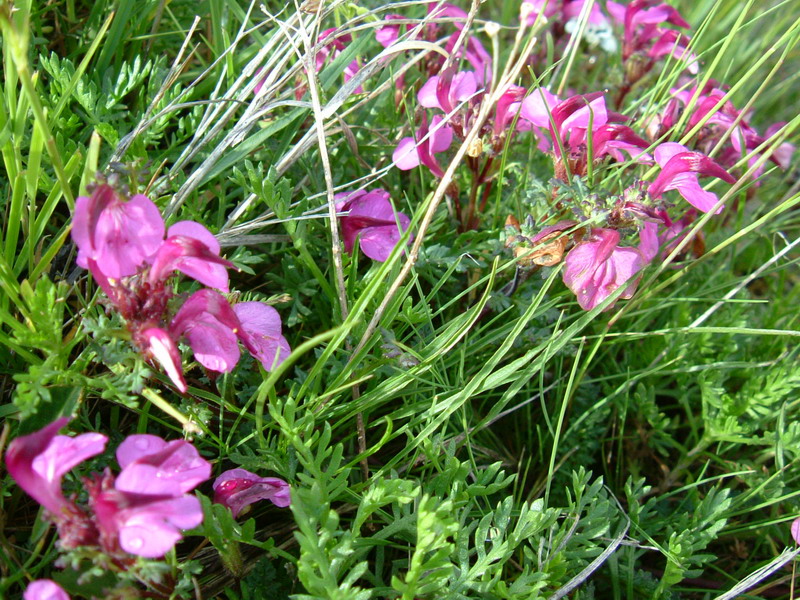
(260, 332)
(642, 20)
(146, 458)
(388, 34)
(144, 508)
(597, 267)
(472, 50)
(194, 251)
(372, 220)
(38, 461)
(679, 169)
(572, 118)
(158, 344)
(238, 488)
(420, 149)
(44, 589)
(674, 43)
(795, 531)
(146, 521)
(537, 107)
(613, 139)
(446, 90)
(210, 326)
(118, 235)
(333, 47)
(213, 329)
(142, 511)
(782, 155)
(672, 234)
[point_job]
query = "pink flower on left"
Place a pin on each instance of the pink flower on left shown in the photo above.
(116, 234)
(39, 461)
(142, 511)
(44, 589)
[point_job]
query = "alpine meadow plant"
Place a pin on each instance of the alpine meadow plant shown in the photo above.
(121, 242)
(139, 512)
(438, 300)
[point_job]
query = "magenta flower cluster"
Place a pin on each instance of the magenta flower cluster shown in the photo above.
(122, 242)
(580, 132)
(143, 510)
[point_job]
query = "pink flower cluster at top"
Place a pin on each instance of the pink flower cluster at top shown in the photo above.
(724, 126)
(580, 132)
(122, 242)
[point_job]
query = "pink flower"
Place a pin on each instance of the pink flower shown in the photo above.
(210, 326)
(333, 47)
(213, 330)
(795, 531)
(119, 236)
(572, 116)
(38, 461)
(238, 488)
(475, 54)
(595, 268)
(413, 151)
(44, 589)
(194, 251)
(782, 156)
(679, 169)
(146, 523)
(260, 332)
(174, 465)
(642, 20)
(613, 139)
(672, 234)
(573, 9)
(675, 44)
(372, 220)
(447, 90)
(144, 510)
(159, 344)
(537, 107)
(388, 34)
(473, 51)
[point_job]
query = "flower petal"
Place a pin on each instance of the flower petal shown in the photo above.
(37, 470)
(405, 156)
(137, 446)
(427, 93)
(151, 530)
(261, 333)
(163, 349)
(214, 344)
(238, 488)
(177, 462)
(44, 589)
